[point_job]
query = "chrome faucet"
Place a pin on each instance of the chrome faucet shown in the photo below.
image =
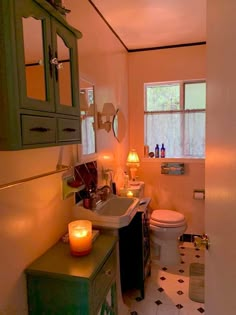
(104, 192)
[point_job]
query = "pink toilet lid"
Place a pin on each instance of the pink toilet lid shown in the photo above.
(167, 218)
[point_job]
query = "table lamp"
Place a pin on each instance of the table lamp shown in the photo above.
(133, 163)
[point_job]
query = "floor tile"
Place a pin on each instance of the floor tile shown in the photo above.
(165, 309)
(166, 290)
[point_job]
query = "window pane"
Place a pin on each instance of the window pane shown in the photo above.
(194, 134)
(195, 95)
(164, 128)
(163, 97)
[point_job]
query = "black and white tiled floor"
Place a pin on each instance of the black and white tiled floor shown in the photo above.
(166, 290)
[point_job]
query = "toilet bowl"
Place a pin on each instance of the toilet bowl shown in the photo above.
(166, 226)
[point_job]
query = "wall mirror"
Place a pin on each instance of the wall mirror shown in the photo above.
(87, 112)
(34, 58)
(119, 125)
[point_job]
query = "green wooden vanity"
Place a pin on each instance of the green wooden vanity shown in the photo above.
(60, 284)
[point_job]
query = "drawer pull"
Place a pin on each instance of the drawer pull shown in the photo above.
(108, 272)
(40, 129)
(69, 129)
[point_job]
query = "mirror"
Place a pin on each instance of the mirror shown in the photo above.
(34, 59)
(87, 112)
(119, 125)
(37, 79)
(63, 73)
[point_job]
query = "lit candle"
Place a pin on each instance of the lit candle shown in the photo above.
(129, 194)
(80, 237)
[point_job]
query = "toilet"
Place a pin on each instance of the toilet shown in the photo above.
(166, 226)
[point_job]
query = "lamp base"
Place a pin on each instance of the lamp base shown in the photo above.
(133, 171)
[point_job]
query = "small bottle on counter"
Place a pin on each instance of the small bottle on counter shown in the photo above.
(113, 186)
(126, 180)
(157, 151)
(86, 199)
(163, 151)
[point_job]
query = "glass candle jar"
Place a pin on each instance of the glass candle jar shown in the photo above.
(80, 237)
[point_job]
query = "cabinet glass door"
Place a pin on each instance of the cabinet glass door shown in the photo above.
(34, 59)
(65, 70)
(33, 33)
(63, 73)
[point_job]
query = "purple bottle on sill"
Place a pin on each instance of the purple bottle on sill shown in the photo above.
(157, 151)
(163, 151)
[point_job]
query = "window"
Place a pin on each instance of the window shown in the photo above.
(174, 114)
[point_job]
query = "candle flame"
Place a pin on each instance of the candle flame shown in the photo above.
(130, 194)
(80, 232)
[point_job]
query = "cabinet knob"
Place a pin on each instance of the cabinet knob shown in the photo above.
(55, 62)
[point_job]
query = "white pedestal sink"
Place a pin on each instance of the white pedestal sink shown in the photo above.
(113, 213)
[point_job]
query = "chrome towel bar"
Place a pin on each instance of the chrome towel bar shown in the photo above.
(59, 169)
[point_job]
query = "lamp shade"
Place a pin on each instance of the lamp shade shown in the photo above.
(108, 109)
(133, 159)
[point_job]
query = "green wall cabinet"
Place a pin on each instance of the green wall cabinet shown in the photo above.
(39, 79)
(61, 284)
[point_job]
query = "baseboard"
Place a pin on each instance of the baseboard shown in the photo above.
(188, 238)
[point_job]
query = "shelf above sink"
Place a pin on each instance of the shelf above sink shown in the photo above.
(114, 213)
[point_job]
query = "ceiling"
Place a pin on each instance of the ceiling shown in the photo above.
(151, 24)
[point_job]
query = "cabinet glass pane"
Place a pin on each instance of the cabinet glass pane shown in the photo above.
(34, 58)
(64, 73)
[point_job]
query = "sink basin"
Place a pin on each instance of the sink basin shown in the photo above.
(115, 212)
(115, 206)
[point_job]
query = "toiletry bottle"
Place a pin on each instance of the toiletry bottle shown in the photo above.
(163, 151)
(146, 150)
(113, 186)
(86, 199)
(157, 151)
(126, 180)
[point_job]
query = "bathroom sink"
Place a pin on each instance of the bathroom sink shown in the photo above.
(115, 212)
(115, 206)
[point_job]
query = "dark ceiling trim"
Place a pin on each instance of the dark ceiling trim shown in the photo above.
(142, 49)
(91, 2)
(167, 47)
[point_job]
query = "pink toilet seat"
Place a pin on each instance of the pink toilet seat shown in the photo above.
(167, 218)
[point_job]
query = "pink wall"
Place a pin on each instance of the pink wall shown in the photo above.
(174, 192)
(104, 62)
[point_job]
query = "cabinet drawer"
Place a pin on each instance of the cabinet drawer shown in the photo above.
(103, 280)
(37, 129)
(68, 129)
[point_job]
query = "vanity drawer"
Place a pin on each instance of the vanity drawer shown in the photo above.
(38, 129)
(68, 129)
(103, 281)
